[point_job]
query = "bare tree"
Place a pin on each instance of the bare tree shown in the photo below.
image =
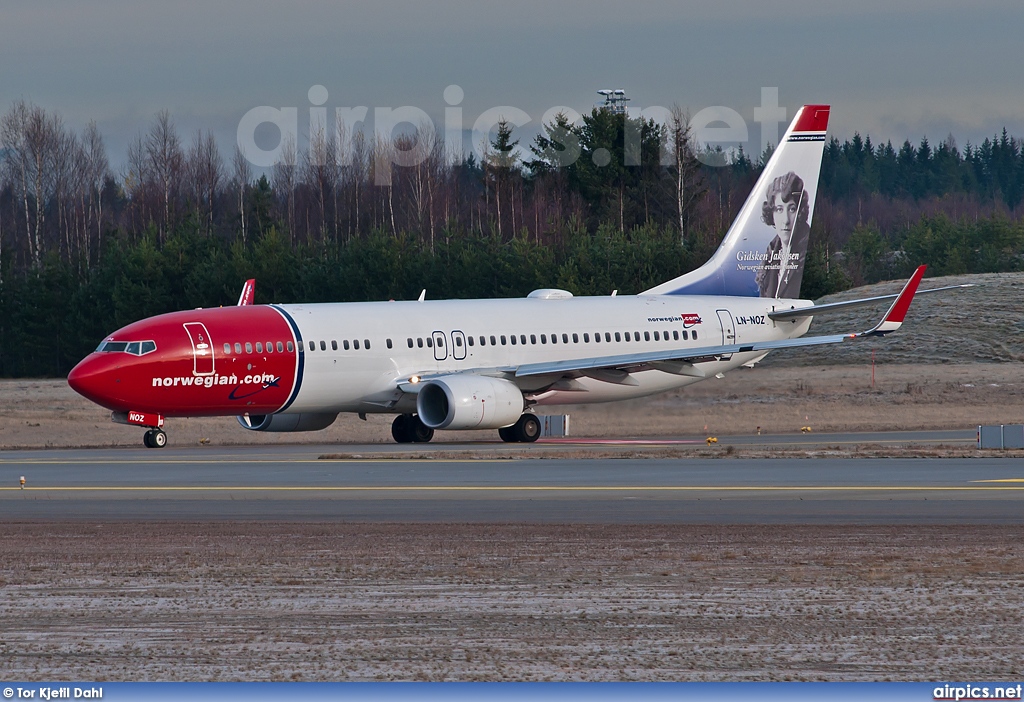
(30, 136)
(690, 186)
(205, 172)
(320, 174)
(163, 149)
(284, 175)
(241, 180)
(97, 171)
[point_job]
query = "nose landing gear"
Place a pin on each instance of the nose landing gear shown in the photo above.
(154, 438)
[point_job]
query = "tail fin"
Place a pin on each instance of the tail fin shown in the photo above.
(248, 293)
(763, 253)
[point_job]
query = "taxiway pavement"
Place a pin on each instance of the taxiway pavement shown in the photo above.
(270, 483)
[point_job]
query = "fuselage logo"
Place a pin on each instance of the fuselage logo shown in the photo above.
(691, 319)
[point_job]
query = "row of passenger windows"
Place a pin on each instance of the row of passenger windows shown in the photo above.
(281, 346)
(345, 344)
(521, 339)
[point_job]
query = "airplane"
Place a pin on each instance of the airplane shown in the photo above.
(487, 364)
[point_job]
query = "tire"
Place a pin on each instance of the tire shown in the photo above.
(527, 429)
(508, 434)
(159, 439)
(400, 430)
(420, 432)
(147, 439)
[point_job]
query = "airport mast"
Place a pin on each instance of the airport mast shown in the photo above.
(614, 100)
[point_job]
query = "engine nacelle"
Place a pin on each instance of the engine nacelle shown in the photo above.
(287, 422)
(469, 402)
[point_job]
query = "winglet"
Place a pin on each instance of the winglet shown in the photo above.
(248, 293)
(898, 311)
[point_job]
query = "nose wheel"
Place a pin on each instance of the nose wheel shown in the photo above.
(154, 438)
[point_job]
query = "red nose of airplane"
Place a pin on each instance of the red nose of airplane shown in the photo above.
(94, 378)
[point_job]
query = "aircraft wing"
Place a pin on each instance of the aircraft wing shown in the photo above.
(680, 361)
(814, 310)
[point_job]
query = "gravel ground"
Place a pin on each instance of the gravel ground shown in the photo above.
(463, 602)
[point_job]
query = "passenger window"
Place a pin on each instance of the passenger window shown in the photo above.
(618, 337)
(259, 347)
(647, 336)
(608, 337)
(366, 344)
(686, 335)
(355, 344)
(554, 338)
(430, 342)
(533, 338)
(522, 339)
(248, 347)
(419, 342)
(440, 342)
(627, 336)
(543, 338)
(657, 336)
(483, 341)
(270, 347)
(636, 336)
(148, 347)
(565, 338)
(597, 338)
(291, 346)
(389, 343)
(458, 341)
(312, 346)
(470, 340)
(675, 335)
(410, 342)
(575, 338)
(345, 344)
(323, 345)
(280, 348)
(227, 348)
(238, 347)
(493, 341)
(334, 345)
(512, 338)
(503, 340)
(694, 334)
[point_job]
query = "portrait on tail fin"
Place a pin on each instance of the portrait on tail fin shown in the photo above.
(786, 208)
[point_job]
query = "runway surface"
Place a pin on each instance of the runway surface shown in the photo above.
(294, 483)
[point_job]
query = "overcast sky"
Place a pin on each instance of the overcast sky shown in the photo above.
(893, 69)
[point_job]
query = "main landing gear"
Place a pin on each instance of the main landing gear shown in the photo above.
(407, 429)
(526, 430)
(155, 438)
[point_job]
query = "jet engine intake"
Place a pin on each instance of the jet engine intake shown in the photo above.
(464, 401)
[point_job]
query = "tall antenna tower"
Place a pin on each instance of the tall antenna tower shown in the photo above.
(614, 100)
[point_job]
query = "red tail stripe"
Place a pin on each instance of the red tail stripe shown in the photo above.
(813, 118)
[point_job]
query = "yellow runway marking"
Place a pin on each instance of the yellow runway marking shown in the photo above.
(526, 488)
(1001, 480)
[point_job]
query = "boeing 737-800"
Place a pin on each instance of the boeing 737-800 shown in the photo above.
(486, 364)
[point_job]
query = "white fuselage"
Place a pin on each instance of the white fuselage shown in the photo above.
(455, 336)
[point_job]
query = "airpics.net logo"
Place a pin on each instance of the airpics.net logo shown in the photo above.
(333, 141)
(968, 693)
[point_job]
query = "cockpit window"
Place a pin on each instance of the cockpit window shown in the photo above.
(135, 348)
